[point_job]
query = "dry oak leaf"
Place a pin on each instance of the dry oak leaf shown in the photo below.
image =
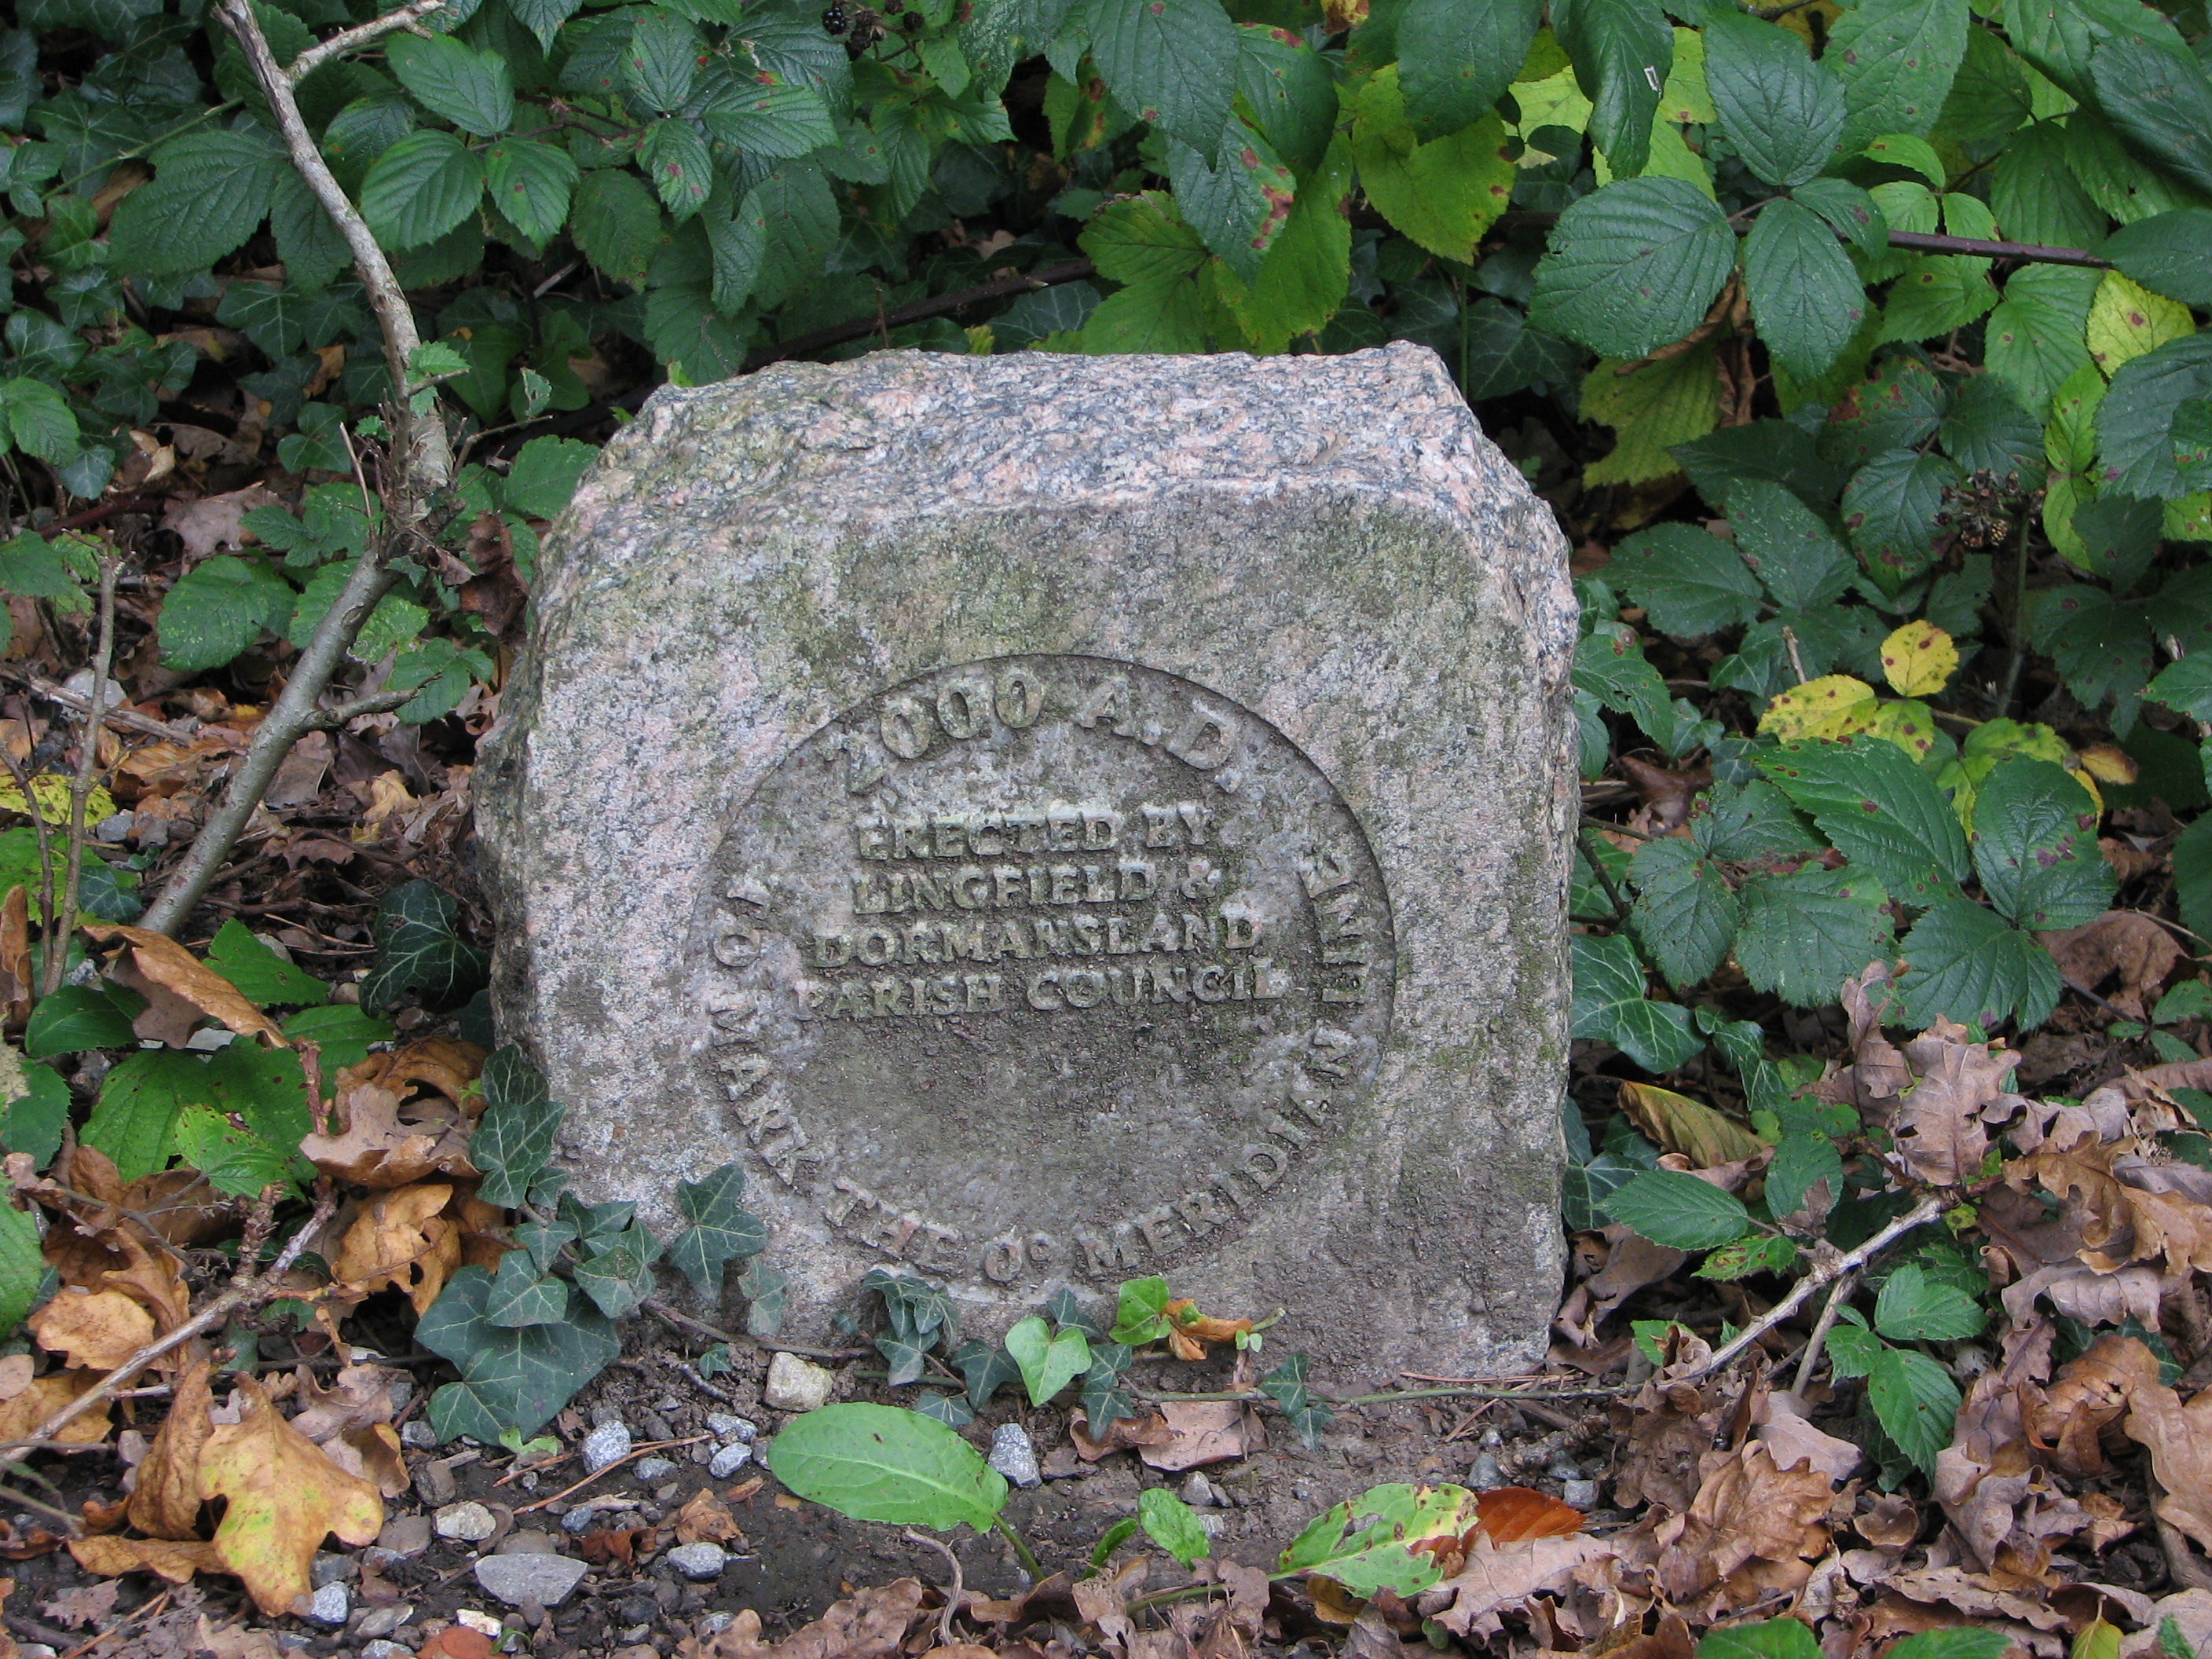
(1497, 1579)
(171, 1558)
(1121, 1433)
(85, 1604)
(16, 1372)
(45, 1396)
(2091, 1392)
(15, 956)
(160, 965)
(400, 1116)
(871, 1625)
(373, 1454)
(401, 1239)
(2179, 1439)
(1746, 1509)
(119, 1259)
(1204, 1432)
(2133, 949)
(707, 1520)
(1976, 1595)
(1942, 1121)
(284, 1496)
(93, 1330)
(2119, 1221)
(166, 1501)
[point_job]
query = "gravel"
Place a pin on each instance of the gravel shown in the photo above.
(702, 1562)
(329, 1606)
(729, 1460)
(530, 1579)
(652, 1470)
(468, 1522)
(796, 1385)
(1014, 1456)
(605, 1445)
(723, 1427)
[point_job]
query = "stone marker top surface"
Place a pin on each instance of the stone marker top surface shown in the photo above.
(1054, 818)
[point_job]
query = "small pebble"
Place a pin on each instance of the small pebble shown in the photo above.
(1564, 1468)
(1484, 1475)
(655, 1426)
(1212, 1522)
(605, 1445)
(292, 1641)
(1490, 1437)
(668, 1402)
(382, 1621)
(329, 1568)
(653, 1469)
(713, 1623)
(329, 1606)
(406, 1534)
(417, 1432)
(35, 1651)
(577, 1523)
(1198, 1491)
(728, 1461)
(530, 1579)
(380, 1648)
(528, 1543)
(1013, 1456)
(702, 1562)
(724, 1426)
(635, 1634)
(603, 1416)
(483, 1623)
(1580, 1494)
(466, 1524)
(796, 1385)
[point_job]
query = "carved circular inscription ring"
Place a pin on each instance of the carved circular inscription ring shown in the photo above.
(1043, 967)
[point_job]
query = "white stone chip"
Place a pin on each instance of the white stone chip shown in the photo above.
(466, 1522)
(702, 1562)
(798, 1385)
(530, 1579)
(724, 1426)
(329, 1606)
(605, 1445)
(729, 1460)
(1014, 1456)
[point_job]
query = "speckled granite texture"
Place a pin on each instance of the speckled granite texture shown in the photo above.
(768, 647)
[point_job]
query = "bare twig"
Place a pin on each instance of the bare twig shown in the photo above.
(635, 1453)
(359, 35)
(419, 465)
(654, 1304)
(261, 1288)
(376, 703)
(1814, 1343)
(122, 719)
(61, 917)
(952, 1591)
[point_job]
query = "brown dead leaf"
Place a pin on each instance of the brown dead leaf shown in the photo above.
(85, 1604)
(706, 1519)
(2179, 1439)
(371, 1453)
(1746, 1509)
(2119, 944)
(1666, 1431)
(1682, 1124)
(111, 1556)
(2091, 1393)
(284, 1497)
(1888, 1521)
(212, 522)
(1497, 1579)
(45, 1396)
(1203, 1431)
(1943, 1120)
(102, 1517)
(119, 1259)
(1977, 1596)
(1513, 1515)
(399, 1117)
(1632, 1261)
(359, 1395)
(181, 1208)
(92, 1330)
(1668, 796)
(161, 968)
(872, 1625)
(16, 1370)
(1189, 1331)
(2119, 1220)
(166, 1501)
(228, 1641)
(1122, 1434)
(1877, 1074)
(1793, 1443)
(15, 957)
(402, 1239)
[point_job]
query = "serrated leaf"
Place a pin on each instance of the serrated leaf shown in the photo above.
(1239, 207)
(1965, 964)
(513, 1138)
(1688, 582)
(769, 117)
(262, 976)
(1633, 266)
(2169, 253)
(1685, 916)
(1610, 665)
(1783, 111)
(1170, 62)
(1173, 1525)
(2161, 100)
(1678, 1210)
(1897, 408)
(2134, 421)
(531, 183)
(674, 155)
(2035, 847)
(474, 90)
(721, 1229)
(1739, 823)
(1770, 1254)
(419, 950)
(1914, 1308)
(2126, 321)
(1652, 411)
(73, 1019)
(218, 608)
(1455, 57)
(1287, 87)
(421, 188)
(616, 224)
(1805, 296)
(1897, 58)
(2033, 339)
(1879, 809)
(1915, 1401)
(210, 191)
(1768, 1638)
(880, 1463)
(1610, 1005)
(1986, 430)
(662, 59)
(1889, 513)
(1802, 935)
(1622, 52)
(1443, 193)
(1802, 1159)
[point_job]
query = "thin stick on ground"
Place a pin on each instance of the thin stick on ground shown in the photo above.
(952, 1591)
(1814, 1343)
(59, 921)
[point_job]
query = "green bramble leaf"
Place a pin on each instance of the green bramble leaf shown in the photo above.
(1783, 111)
(2035, 847)
(262, 977)
(1804, 934)
(1678, 1211)
(1170, 62)
(217, 609)
(1897, 58)
(2161, 102)
(1768, 1638)
(1965, 964)
(1879, 809)
(1633, 266)
(530, 184)
(1455, 57)
(1622, 52)
(2169, 253)
(1769, 1254)
(1915, 1402)
(1685, 914)
(1805, 296)
(474, 90)
(1914, 1308)
(421, 188)
(1689, 583)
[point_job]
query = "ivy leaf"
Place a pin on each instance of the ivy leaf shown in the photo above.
(262, 977)
(473, 90)
(530, 183)
(985, 1366)
(1685, 916)
(1915, 1402)
(1897, 58)
(721, 1229)
(765, 1290)
(521, 1296)
(1171, 63)
(1804, 934)
(1965, 964)
(1879, 809)
(511, 1378)
(880, 1463)
(2035, 847)
(1678, 1210)
(419, 950)
(1688, 582)
(513, 1138)
(1610, 1006)
(1914, 1308)
(1633, 266)
(1805, 296)
(1047, 1363)
(1621, 51)
(1455, 57)
(421, 188)
(619, 1275)
(1105, 1401)
(1781, 110)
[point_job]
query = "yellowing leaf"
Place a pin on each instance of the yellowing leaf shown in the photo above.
(1833, 706)
(2109, 763)
(53, 795)
(164, 966)
(1918, 660)
(111, 1556)
(1909, 725)
(402, 1239)
(45, 1396)
(1662, 403)
(283, 1497)
(1682, 1124)
(166, 1502)
(2125, 321)
(92, 1330)
(2081, 775)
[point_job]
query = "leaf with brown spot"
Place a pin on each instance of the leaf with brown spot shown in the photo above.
(158, 968)
(166, 1501)
(1682, 1124)
(402, 1239)
(284, 1497)
(94, 1330)
(166, 1558)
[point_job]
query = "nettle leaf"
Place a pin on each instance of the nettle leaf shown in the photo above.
(1455, 57)
(1610, 1006)
(1915, 1402)
(721, 1229)
(419, 950)
(1897, 58)
(511, 1377)
(1805, 296)
(2035, 847)
(1804, 934)
(474, 90)
(1685, 916)
(218, 608)
(1914, 1308)
(1788, 545)
(1633, 266)
(262, 977)
(881, 1463)
(513, 1138)
(421, 188)
(1171, 63)
(1678, 1210)
(2170, 253)
(531, 183)
(1622, 52)
(1879, 809)
(1782, 111)
(1965, 964)
(1047, 1363)
(1688, 582)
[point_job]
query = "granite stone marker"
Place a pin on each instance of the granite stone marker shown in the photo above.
(1056, 819)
